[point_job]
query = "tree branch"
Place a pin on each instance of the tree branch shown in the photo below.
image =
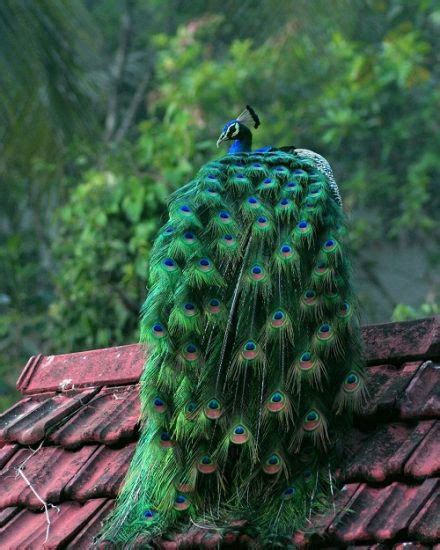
(118, 69)
(134, 106)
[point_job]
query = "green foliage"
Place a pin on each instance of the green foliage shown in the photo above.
(404, 312)
(103, 245)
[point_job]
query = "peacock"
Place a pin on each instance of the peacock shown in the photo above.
(254, 366)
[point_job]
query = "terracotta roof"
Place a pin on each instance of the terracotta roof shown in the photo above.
(70, 439)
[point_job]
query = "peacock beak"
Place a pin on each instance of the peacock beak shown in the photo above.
(221, 138)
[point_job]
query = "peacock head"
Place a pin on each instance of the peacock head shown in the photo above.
(238, 128)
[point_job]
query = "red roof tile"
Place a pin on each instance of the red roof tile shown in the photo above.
(110, 417)
(426, 524)
(6, 451)
(386, 382)
(83, 410)
(84, 539)
(48, 470)
(29, 420)
(101, 475)
(425, 460)
(397, 342)
(422, 396)
(385, 453)
(99, 367)
(27, 530)
(381, 513)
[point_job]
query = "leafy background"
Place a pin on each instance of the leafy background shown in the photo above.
(106, 107)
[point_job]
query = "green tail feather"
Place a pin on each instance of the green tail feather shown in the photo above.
(254, 353)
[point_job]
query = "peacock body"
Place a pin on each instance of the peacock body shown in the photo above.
(254, 364)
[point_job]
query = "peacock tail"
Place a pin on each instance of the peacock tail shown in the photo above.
(254, 362)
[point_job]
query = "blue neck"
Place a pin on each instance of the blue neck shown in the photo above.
(243, 144)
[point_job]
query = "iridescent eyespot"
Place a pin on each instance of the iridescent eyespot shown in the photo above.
(229, 239)
(272, 465)
(181, 503)
(224, 215)
(311, 421)
(284, 202)
(190, 352)
(189, 236)
(267, 181)
(291, 185)
(214, 306)
(169, 264)
(325, 331)
(205, 265)
(249, 350)
(303, 229)
(351, 382)
(262, 221)
(257, 272)
(158, 330)
(165, 440)
(330, 244)
(212, 176)
(286, 251)
(189, 309)
(239, 435)
(253, 201)
(159, 405)
(169, 230)
(309, 298)
(278, 319)
(213, 409)
(185, 209)
(206, 465)
(344, 310)
(305, 361)
(276, 402)
(321, 267)
(149, 514)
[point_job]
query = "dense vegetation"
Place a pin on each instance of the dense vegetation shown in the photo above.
(108, 106)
